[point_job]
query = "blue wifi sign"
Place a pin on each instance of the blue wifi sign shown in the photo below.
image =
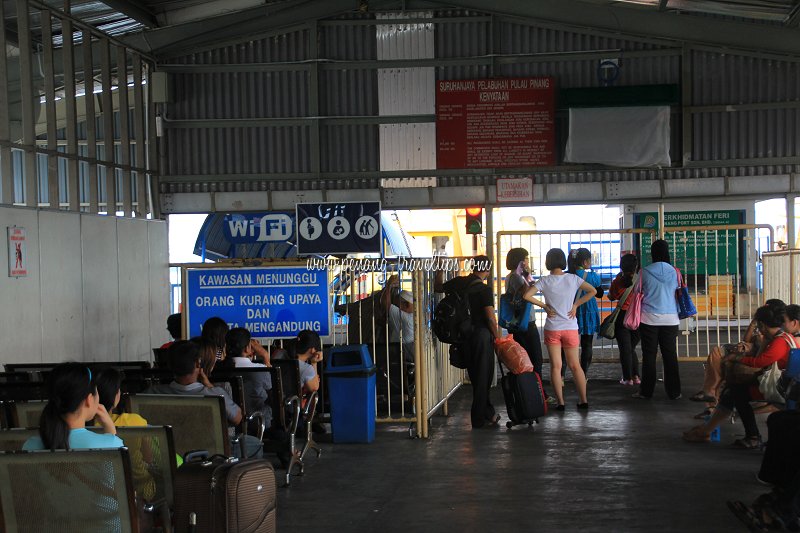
(259, 227)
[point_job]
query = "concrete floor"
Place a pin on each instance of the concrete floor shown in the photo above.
(620, 467)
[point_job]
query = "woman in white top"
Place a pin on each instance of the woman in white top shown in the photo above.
(561, 326)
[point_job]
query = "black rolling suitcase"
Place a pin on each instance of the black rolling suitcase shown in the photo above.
(781, 459)
(219, 494)
(524, 395)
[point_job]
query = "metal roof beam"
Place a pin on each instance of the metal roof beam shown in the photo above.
(648, 23)
(794, 17)
(183, 38)
(135, 10)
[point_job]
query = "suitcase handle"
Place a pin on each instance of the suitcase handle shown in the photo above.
(196, 456)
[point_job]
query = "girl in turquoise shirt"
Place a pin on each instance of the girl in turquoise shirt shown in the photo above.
(588, 314)
(73, 401)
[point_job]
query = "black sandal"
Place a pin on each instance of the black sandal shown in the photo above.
(748, 443)
(748, 516)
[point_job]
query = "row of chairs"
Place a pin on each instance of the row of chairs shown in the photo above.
(22, 399)
(128, 490)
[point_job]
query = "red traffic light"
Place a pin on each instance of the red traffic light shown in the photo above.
(474, 222)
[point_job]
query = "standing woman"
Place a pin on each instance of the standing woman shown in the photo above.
(659, 324)
(517, 282)
(561, 326)
(627, 339)
(588, 314)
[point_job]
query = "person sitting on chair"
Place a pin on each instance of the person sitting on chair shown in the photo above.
(712, 371)
(778, 343)
(174, 328)
(190, 379)
(308, 351)
(241, 351)
(73, 401)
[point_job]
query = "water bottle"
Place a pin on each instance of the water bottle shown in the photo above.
(715, 436)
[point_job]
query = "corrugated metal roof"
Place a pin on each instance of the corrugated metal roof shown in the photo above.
(771, 10)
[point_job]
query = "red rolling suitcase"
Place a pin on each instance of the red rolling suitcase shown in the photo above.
(221, 494)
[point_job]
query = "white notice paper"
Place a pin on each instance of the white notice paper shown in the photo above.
(619, 136)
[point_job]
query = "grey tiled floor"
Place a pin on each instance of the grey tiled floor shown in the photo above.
(620, 467)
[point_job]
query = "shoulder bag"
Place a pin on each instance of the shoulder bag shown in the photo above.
(686, 306)
(608, 326)
(769, 379)
(633, 316)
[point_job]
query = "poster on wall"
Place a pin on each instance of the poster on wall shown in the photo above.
(17, 253)
(495, 123)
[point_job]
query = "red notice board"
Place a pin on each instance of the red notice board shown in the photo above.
(495, 123)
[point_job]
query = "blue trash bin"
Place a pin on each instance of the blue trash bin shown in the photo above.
(350, 377)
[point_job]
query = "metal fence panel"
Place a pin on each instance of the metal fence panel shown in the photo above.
(721, 266)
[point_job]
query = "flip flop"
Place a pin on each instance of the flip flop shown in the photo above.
(748, 517)
(702, 397)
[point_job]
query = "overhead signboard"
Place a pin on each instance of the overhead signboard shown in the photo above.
(247, 228)
(697, 252)
(270, 302)
(339, 228)
(495, 123)
(510, 190)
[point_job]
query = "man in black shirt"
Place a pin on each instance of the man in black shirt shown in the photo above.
(480, 345)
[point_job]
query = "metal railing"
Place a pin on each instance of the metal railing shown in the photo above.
(782, 275)
(720, 264)
(414, 380)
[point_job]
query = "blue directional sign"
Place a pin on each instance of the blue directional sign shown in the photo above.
(270, 302)
(339, 228)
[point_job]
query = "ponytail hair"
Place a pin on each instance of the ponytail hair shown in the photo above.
(67, 386)
(577, 257)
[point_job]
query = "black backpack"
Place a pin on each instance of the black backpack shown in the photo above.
(452, 322)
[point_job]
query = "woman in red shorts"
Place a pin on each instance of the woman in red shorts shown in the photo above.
(561, 327)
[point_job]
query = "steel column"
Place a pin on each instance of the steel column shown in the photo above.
(107, 105)
(70, 100)
(91, 124)
(6, 168)
(53, 197)
(124, 131)
(139, 136)
(30, 173)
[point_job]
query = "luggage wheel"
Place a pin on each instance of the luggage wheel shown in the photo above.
(509, 424)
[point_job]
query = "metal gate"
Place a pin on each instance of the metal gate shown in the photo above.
(721, 265)
(414, 380)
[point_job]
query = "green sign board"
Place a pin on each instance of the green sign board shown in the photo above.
(697, 252)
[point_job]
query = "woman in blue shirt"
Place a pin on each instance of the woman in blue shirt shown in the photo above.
(588, 314)
(658, 328)
(73, 401)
